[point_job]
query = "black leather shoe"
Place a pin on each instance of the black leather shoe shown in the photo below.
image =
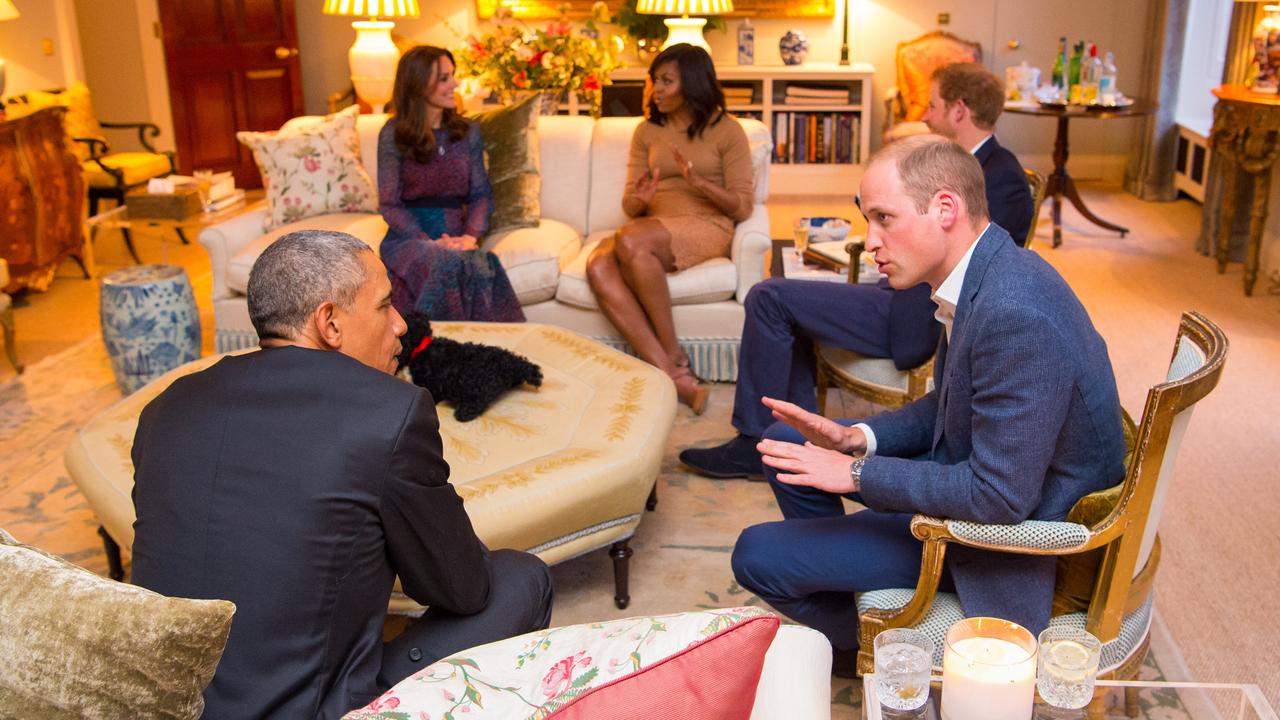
(737, 458)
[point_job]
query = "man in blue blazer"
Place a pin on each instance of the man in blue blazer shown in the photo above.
(785, 317)
(1023, 421)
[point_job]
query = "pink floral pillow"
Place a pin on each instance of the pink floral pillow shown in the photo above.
(312, 170)
(690, 665)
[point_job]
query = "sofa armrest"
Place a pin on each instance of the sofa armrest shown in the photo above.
(225, 239)
(751, 246)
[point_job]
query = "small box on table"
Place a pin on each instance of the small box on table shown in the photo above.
(182, 203)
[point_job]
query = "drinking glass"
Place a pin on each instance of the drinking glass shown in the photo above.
(904, 659)
(801, 230)
(204, 185)
(1068, 667)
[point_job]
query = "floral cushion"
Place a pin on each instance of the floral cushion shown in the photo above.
(312, 170)
(697, 664)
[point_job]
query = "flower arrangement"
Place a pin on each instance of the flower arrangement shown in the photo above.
(515, 57)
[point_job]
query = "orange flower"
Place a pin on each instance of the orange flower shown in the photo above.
(520, 79)
(590, 82)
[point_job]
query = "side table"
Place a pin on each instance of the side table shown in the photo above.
(1244, 136)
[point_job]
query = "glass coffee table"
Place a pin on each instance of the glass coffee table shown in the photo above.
(1157, 700)
(118, 218)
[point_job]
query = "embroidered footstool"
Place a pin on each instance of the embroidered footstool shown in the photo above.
(559, 471)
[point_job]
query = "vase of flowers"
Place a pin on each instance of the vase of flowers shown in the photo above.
(514, 58)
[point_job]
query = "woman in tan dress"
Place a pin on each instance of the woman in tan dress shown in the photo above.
(688, 183)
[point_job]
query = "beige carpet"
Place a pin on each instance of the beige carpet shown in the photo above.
(1221, 503)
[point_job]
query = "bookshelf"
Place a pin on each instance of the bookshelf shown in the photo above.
(797, 103)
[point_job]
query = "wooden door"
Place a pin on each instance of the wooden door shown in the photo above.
(232, 65)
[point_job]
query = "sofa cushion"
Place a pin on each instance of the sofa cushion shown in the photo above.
(368, 227)
(533, 257)
(511, 152)
(688, 665)
(565, 156)
(709, 281)
(73, 644)
(312, 169)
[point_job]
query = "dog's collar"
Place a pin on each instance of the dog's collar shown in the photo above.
(421, 346)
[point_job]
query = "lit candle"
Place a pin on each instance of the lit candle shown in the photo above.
(988, 671)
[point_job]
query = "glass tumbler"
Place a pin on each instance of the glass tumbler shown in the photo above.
(904, 660)
(1068, 667)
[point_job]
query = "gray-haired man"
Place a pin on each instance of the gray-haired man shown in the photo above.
(299, 481)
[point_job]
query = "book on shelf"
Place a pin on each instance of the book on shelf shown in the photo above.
(816, 137)
(817, 92)
(814, 101)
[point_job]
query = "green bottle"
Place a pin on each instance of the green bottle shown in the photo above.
(1059, 65)
(1075, 93)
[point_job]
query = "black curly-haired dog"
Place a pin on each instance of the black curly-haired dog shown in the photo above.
(469, 375)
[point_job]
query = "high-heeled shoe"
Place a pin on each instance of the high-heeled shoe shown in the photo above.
(690, 392)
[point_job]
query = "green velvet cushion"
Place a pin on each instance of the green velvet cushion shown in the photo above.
(511, 145)
(73, 644)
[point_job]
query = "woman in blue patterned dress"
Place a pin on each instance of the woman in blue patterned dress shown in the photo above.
(434, 194)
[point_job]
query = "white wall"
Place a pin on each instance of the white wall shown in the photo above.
(27, 67)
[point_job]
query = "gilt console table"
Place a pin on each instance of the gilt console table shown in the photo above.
(1244, 138)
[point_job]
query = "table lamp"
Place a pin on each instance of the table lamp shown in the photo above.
(7, 12)
(374, 55)
(685, 29)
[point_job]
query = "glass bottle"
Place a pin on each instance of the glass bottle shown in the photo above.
(1075, 94)
(1091, 75)
(1060, 65)
(1107, 94)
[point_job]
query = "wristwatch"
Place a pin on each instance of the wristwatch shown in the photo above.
(855, 471)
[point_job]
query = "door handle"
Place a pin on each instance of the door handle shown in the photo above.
(1014, 44)
(284, 53)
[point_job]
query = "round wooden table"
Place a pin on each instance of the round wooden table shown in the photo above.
(1060, 182)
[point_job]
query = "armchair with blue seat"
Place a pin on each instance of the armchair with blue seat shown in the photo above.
(1108, 548)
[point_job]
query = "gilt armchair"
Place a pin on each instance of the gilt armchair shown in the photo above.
(1109, 539)
(915, 61)
(108, 175)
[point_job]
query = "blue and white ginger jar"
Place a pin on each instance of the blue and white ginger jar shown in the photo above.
(793, 47)
(150, 323)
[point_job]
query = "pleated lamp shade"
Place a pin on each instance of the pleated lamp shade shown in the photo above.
(685, 29)
(7, 10)
(372, 8)
(684, 7)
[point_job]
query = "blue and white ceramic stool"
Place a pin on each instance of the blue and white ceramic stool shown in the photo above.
(150, 323)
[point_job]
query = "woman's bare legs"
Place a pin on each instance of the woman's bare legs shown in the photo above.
(628, 274)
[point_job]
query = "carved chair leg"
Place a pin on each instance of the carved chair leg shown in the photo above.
(115, 566)
(621, 553)
(128, 243)
(1097, 709)
(10, 346)
(652, 502)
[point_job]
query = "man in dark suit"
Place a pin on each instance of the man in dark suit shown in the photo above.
(299, 481)
(785, 317)
(1023, 421)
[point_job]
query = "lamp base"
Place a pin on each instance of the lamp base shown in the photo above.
(685, 30)
(373, 60)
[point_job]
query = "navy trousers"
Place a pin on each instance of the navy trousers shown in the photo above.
(783, 319)
(810, 565)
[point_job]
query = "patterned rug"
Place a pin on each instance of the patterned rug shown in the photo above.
(682, 549)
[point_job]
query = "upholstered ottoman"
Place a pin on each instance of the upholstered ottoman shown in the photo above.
(558, 471)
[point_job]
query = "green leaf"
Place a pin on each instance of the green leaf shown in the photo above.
(635, 660)
(391, 715)
(473, 695)
(463, 661)
(585, 678)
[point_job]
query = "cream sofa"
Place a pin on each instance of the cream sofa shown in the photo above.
(583, 171)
